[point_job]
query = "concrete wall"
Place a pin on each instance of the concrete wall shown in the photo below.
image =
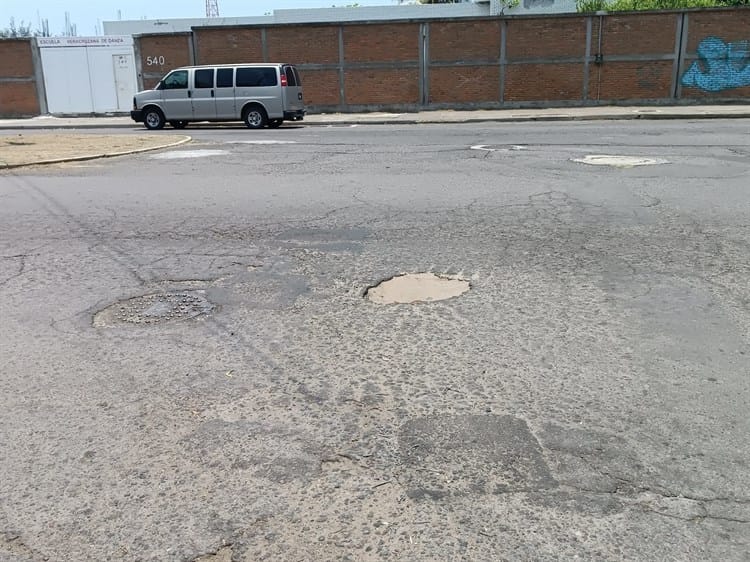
(19, 76)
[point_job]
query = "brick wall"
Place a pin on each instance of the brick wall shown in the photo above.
(18, 87)
(158, 54)
(639, 34)
(638, 54)
(710, 38)
(381, 43)
(228, 45)
(382, 86)
(465, 84)
(544, 82)
(465, 41)
(551, 38)
(321, 87)
(622, 81)
(481, 62)
(321, 44)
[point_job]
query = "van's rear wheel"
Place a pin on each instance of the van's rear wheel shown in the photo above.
(255, 117)
(275, 123)
(153, 119)
(178, 124)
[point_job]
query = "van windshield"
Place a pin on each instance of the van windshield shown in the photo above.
(176, 80)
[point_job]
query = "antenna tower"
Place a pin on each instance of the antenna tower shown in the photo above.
(212, 8)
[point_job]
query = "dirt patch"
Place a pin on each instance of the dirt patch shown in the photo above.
(26, 149)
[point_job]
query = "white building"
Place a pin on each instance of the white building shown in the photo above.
(478, 8)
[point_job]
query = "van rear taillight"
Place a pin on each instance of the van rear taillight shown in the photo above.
(283, 79)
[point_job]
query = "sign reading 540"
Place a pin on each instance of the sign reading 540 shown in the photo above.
(151, 61)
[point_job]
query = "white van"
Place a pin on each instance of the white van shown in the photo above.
(261, 95)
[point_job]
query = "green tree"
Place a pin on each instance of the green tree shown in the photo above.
(640, 5)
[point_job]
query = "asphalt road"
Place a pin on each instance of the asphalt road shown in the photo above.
(189, 370)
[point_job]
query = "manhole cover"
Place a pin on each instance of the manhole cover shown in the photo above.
(619, 161)
(155, 309)
(417, 287)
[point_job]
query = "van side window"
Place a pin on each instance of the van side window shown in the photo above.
(258, 76)
(291, 80)
(296, 73)
(204, 78)
(177, 80)
(225, 78)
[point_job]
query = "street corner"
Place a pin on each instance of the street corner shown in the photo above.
(30, 148)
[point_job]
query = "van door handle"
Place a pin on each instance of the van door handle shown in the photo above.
(212, 93)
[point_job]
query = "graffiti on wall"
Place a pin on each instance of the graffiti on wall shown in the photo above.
(720, 66)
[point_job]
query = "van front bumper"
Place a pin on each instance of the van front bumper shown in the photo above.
(297, 115)
(137, 115)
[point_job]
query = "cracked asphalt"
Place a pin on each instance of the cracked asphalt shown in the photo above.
(587, 398)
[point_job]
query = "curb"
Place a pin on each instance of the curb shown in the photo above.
(532, 118)
(184, 140)
(654, 116)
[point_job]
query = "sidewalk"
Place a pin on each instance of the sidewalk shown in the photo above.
(438, 116)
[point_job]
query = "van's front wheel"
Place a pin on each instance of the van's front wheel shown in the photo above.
(153, 119)
(255, 117)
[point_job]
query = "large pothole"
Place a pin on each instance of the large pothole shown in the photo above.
(156, 308)
(417, 287)
(617, 161)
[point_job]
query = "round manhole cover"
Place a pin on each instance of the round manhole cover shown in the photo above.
(619, 161)
(417, 287)
(156, 308)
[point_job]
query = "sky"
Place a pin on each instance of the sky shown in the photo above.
(88, 14)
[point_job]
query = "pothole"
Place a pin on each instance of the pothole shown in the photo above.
(177, 154)
(488, 148)
(417, 287)
(157, 308)
(619, 161)
(263, 142)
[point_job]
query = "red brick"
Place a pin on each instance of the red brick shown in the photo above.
(546, 37)
(733, 93)
(228, 45)
(18, 99)
(175, 50)
(381, 43)
(473, 40)
(465, 84)
(630, 80)
(320, 87)
(382, 86)
(728, 25)
(544, 82)
(15, 58)
(303, 44)
(638, 34)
